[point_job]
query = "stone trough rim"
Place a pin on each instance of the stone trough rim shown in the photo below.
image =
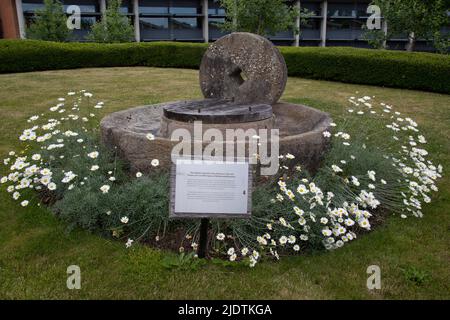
(322, 125)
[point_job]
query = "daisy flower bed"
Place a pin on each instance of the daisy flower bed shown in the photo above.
(377, 166)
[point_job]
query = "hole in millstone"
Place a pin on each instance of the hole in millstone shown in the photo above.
(238, 76)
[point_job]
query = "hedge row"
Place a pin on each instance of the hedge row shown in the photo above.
(421, 71)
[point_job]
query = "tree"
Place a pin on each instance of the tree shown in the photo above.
(263, 17)
(418, 19)
(113, 27)
(50, 23)
(375, 38)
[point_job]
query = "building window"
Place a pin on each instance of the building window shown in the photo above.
(185, 7)
(154, 28)
(313, 7)
(187, 28)
(30, 6)
(310, 30)
(214, 8)
(126, 7)
(344, 29)
(215, 30)
(153, 7)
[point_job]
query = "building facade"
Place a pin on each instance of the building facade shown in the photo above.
(335, 22)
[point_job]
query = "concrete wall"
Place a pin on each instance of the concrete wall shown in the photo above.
(8, 19)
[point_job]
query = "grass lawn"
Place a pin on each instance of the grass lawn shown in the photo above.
(35, 248)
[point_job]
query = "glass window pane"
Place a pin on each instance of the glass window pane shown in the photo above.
(32, 5)
(344, 29)
(85, 5)
(342, 10)
(214, 27)
(153, 7)
(283, 35)
(187, 28)
(311, 30)
(154, 28)
(214, 8)
(313, 7)
(126, 7)
(185, 7)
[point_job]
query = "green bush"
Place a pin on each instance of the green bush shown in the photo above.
(114, 27)
(419, 71)
(29, 55)
(408, 70)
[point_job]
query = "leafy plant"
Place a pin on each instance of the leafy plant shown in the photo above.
(375, 38)
(183, 261)
(49, 23)
(416, 19)
(420, 71)
(415, 275)
(381, 165)
(113, 27)
(263, 17)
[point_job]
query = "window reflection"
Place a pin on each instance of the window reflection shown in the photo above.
(214, 8)
(187, 28)
(86, 6)
(153, 7)
(313, 7)
(214, 27)
(342, 29)
(154, 28)
(126, 7)
(311, 30)
(341, 10)
(185, 7)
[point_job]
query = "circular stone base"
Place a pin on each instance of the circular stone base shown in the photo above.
(300, 130)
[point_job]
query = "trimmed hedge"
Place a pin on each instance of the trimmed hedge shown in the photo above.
(407, 70)
(420, 71)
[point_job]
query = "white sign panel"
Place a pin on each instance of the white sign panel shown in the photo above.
(205, 188)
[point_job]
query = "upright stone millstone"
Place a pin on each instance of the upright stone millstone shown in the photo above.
(242, 76)
(244, 68)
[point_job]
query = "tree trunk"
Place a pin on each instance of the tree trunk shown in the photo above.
(411, 42)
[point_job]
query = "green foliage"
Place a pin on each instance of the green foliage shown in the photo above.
(423, 19)
(183, 261)
(375, 38)
(50, 23)
(144, 201)
(33, 55)
(415, 275)
(421, 71)
(441, 42)
(263, 17)
(113, 27)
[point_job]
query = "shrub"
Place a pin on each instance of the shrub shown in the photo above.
(50, 23)
(413, 70)
(375, 165)
(113, 27)
(421, 71)
(23, 56)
